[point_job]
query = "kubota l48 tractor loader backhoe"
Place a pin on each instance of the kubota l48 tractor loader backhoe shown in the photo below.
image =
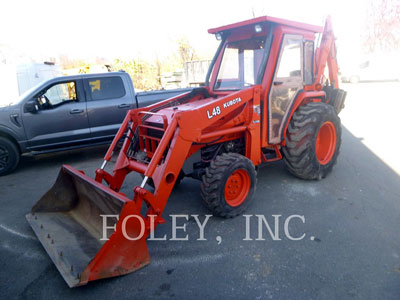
(265, 99)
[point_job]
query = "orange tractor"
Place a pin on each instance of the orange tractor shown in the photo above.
(266, 98)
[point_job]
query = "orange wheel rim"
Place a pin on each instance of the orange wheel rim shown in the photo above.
(237, 187)
(326, 143)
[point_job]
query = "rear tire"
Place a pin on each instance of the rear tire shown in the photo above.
(9, 156)
(313, 141)
(228, 185)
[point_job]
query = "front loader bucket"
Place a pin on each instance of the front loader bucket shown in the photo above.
(68, 221)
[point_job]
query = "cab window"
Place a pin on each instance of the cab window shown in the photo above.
(240, 64)
(105, 88)
(308, 62)
(290, 61)
(57, 95)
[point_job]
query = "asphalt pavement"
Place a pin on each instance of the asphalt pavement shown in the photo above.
(349, 250)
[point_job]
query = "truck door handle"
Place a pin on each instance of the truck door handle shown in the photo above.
(124, 105)
(278, 82)
(76, 111)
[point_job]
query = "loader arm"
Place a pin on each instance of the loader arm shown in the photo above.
(69, 218)
(178, 141)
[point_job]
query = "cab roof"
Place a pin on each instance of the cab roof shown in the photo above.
(264, 19)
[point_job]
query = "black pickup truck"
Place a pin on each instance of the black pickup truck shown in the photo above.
(69, 112)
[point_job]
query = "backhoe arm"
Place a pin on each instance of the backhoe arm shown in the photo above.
(326, 54)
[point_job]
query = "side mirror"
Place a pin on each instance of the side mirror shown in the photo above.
(31, 106)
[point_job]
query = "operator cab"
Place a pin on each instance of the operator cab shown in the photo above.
(275, 53)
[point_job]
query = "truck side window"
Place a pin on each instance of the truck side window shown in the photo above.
(58, 94)
(308, 62)
(106, 88)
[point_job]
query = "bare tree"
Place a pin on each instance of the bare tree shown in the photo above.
(158, 65)
(382, 26)
(186, 50)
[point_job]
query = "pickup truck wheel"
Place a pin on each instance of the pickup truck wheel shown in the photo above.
(313, 141)
(9, 156)
(228, 185)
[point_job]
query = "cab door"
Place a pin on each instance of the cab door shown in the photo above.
(61, 117)
(107, 105)
(287, 82)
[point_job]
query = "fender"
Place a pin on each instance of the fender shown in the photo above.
(9, 133)
(303, 95)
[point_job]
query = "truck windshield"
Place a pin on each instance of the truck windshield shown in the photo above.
(26, 93)
(240, 64)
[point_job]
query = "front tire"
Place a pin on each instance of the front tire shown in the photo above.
(228, 185)
(9, 156)
(313, 141)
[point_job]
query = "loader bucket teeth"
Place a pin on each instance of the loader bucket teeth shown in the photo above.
(68, 222)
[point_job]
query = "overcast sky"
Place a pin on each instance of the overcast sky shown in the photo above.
(126, 29)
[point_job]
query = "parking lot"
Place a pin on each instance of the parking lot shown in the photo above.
(352, 218)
